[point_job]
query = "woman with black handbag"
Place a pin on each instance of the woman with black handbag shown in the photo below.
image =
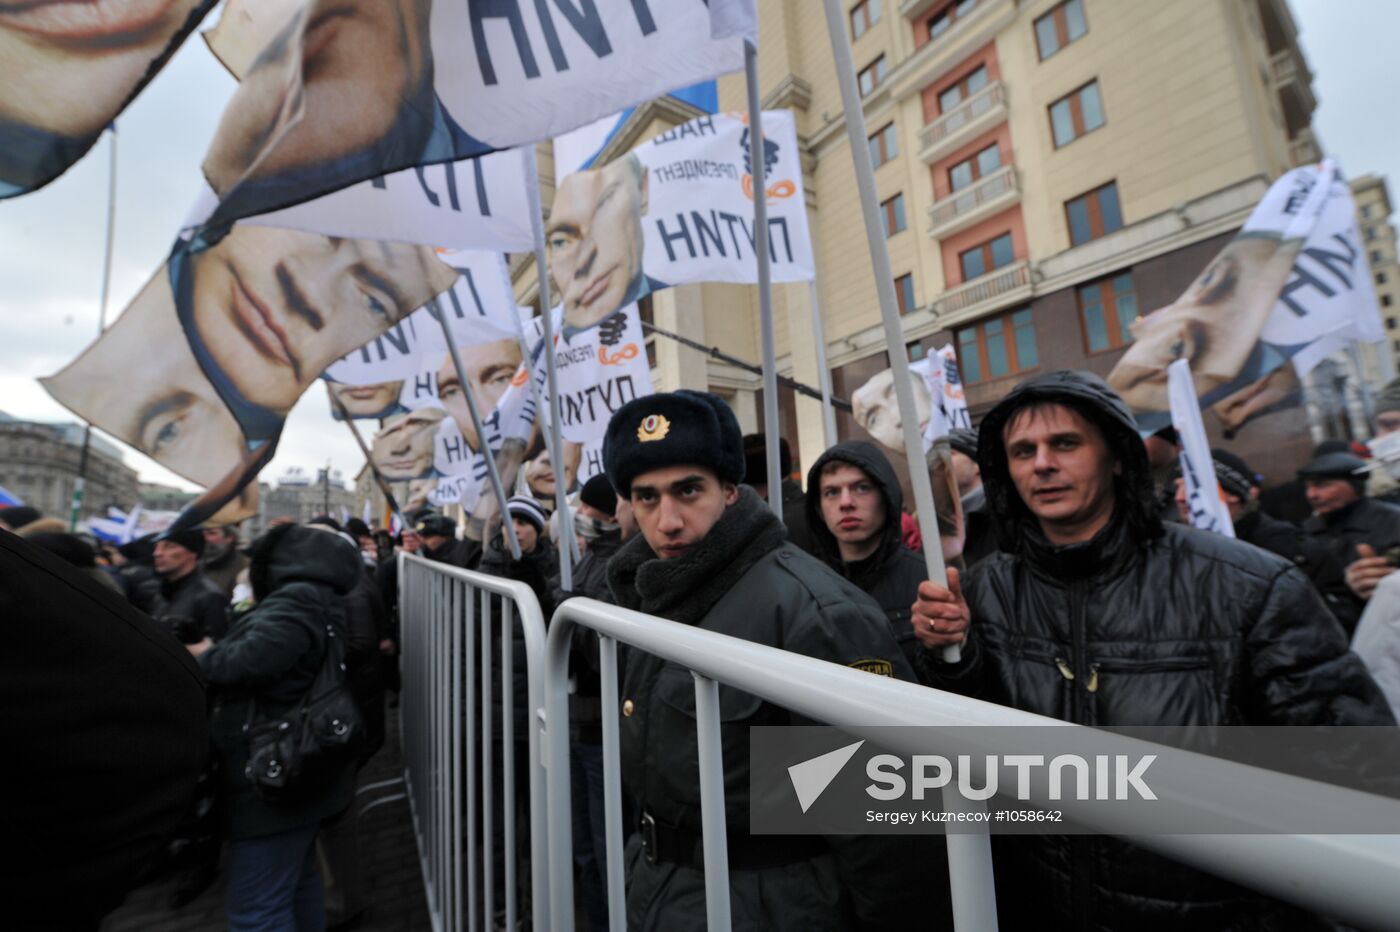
(285, 725)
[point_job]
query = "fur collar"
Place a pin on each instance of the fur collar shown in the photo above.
(686, 588)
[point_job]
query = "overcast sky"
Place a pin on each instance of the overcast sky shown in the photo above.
(51, 242)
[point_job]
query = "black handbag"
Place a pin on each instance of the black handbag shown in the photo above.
(296, 756)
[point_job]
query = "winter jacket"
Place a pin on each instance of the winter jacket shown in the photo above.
(980, 540)
(106, 734)
(194, 597)
(1367, 521)
(535, 569)
(891, 575)
(142, 586)
(745, 580)
(1142, 625)
(466, 553)
(590, 581)
(1309, 554)
(271, 657)
(222, 566)
(799, 526)
(366, 624)
(1377, 640)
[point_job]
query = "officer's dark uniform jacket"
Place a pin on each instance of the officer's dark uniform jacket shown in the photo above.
(1362, 522)
(746, 581)
(195, 597)
(271, 656)
(1324, 568)
(1142, 625)
(463, 552)
(891, 575)
(590, 581)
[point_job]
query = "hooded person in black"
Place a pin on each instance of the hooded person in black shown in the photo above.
(890, 573)
(1093, 612)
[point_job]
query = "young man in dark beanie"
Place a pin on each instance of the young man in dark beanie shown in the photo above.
(794, 502)
(712, 555)
(188, 605)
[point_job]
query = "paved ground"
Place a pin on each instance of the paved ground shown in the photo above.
(390, 869)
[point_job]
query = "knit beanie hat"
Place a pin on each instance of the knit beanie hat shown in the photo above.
(598, 493)
(527, 509)
(191, 538)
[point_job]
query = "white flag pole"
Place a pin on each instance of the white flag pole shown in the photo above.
(765, 283)
(552, 437)
(889, 307)
(1208, 511)
(491, 471)
(823, 372)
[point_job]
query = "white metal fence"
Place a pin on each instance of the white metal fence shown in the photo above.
(452, 620)
(1352, 877)
(452, 624)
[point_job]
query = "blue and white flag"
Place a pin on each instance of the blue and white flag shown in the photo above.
(1206, 507)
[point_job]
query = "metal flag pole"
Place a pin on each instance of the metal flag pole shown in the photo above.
(889, 307)
(554, 438)
(369, 460)
(757, 169)
(491, 471)
(81, 483)
(714, 352)
(823, 372)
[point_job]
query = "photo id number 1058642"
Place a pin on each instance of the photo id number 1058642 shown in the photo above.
(1030, 815)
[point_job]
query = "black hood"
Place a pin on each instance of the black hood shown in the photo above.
(292, 553)
(1089, 395)
(871, 460)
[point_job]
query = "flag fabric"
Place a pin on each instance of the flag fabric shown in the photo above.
(1293, 286)
(8, 498)
(367, 514)
(438, 82)
(68, 70)
(1208, 510)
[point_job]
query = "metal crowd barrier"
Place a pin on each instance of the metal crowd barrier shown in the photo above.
(446, 639)
(1351, 877)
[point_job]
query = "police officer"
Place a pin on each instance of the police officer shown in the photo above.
(710, 554)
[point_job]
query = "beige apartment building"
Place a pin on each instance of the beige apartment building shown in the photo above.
(1049, 170)
(1373, 209)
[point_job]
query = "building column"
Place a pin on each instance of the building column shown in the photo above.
(681, 311)
(795, 299)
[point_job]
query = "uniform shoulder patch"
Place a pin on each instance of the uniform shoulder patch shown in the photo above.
(873, 665)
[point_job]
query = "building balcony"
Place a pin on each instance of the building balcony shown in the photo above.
(990, 292)
(965, 122)
(1293, 82)
(1304, 149)
(961, 209)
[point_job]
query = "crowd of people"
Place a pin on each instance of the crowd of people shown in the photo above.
(1082, 594)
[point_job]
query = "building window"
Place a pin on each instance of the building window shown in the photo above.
(904, 291)
(1094, 214)
(1390, 323)
(964, 88)
(1060, 27)
(997, 347)
(864, 15)
(978, 166)
(1370, 233)
(944, 19)
(872, 76)
(1365, 210)
(1375, 257)
(883, 145)
(1107, 310)
(917, 351)
(1076, 113)
(988, 257)
(893, 209)
(1380, 278)
(1385, 300)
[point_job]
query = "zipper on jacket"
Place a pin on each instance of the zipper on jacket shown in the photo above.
(1093, 686)
(1065, 671)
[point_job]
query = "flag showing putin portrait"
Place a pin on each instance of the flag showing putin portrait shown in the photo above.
(341, 91)
(67, 70)
(202, 368)
(1291, 288)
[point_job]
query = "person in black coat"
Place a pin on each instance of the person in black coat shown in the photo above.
(1096, 613)
(106, 734)
(853, 505)
(441, 544)
(188, 604)
(264, 666)
(799, 527)
(1358, 531)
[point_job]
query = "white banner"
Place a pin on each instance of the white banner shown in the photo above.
(1205, 504)
(473, 204)
(1293, 286)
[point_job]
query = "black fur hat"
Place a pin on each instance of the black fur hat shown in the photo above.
(672, 429)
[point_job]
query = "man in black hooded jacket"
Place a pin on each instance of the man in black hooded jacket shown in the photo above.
(853, 506)
(1095, 613)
